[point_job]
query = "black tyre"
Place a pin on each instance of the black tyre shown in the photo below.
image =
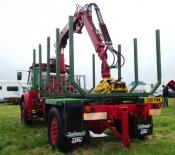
(24, 115)
(56, 133)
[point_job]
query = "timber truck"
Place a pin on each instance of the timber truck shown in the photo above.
(57, 95)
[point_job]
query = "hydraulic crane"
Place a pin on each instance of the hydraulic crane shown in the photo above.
(102, 43)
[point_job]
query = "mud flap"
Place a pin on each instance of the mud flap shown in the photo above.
(142, 128)
(76, 129)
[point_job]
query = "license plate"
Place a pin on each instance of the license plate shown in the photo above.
(153, 99)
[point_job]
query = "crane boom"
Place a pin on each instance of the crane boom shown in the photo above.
(100, 38)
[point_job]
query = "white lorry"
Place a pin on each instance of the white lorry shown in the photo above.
(11, 90)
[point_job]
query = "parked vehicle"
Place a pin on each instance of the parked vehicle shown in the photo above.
(11, 91)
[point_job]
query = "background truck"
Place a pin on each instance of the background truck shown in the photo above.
(60, 97)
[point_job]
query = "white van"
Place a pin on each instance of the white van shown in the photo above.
(11, 90)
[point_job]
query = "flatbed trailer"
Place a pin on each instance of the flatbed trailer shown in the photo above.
(130, 119)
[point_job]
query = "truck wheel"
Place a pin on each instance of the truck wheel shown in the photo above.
(55, 131)
(24, 115)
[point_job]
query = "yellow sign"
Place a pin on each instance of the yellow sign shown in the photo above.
(153, 99)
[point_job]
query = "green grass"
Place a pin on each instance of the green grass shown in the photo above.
(17, 139)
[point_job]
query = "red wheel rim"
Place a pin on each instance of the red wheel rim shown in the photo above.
(54, 131)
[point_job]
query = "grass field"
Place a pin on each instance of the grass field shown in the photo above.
(17, 139)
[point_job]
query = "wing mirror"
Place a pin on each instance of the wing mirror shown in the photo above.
(19, 75)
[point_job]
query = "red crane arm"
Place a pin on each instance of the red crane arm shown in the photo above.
(100, 40)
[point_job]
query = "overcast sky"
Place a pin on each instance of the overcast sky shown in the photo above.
(26, 23)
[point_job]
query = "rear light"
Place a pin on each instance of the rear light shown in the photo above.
(90, 113)
(156, 106)
(95, 116)
(155, 109)
(88, 109)
(154, 112)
